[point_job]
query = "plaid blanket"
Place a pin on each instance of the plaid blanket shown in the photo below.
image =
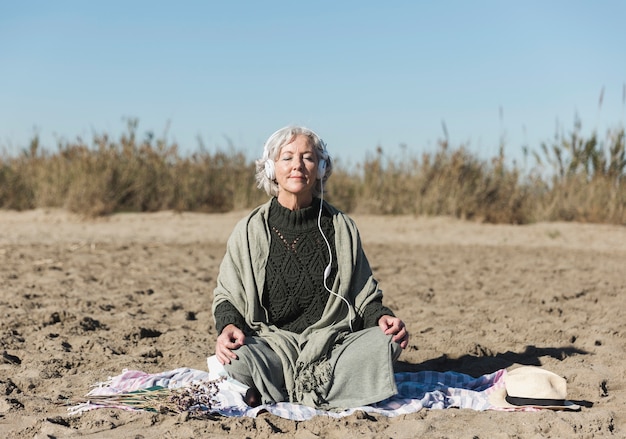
(416, 390)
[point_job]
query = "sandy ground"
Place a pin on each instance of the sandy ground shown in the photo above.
(82, 300)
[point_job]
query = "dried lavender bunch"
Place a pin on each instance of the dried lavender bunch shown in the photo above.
(198, 396)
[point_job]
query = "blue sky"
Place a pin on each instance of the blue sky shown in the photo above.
(361, 73)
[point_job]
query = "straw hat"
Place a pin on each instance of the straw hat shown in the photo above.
(530, 386)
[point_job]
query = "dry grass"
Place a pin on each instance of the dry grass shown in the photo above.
(573, 179)
(447, 182)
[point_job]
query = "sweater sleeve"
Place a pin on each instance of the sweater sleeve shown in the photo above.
(374, 311)
(225, 314)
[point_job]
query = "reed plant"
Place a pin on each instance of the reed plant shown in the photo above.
(573, 178)
(126, 175)
(446, 182)
(586, 179)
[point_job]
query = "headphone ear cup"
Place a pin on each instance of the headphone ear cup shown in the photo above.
(321, 169)
(269, 169)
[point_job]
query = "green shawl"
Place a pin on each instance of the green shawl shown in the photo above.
(305, 356)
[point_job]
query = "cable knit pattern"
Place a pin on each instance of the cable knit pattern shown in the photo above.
(294, 294)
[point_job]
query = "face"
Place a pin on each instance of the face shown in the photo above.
(296, 168)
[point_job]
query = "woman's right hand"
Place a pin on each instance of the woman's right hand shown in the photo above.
(230, 339)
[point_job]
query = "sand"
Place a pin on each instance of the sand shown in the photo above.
(80, 300)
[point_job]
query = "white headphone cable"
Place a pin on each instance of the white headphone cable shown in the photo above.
(330, 255)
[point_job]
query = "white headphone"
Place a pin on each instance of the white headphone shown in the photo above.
(269, 168)
(321, 168)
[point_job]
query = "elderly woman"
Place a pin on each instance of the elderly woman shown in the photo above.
(299, 314)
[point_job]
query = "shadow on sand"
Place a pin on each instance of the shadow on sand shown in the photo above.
(482, 361)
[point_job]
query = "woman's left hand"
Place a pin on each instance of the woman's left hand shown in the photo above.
(395, 326)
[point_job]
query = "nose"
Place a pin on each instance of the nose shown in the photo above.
(298, 163)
